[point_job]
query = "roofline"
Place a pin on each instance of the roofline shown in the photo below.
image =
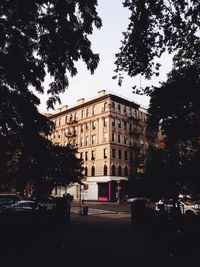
(112, 96)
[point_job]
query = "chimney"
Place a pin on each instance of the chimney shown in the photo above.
(64, 108)
(80, 101)
(101, 93)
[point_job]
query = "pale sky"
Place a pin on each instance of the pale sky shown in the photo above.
(106, 42)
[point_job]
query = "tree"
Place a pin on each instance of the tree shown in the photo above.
(57, 167)
(172, 26)
(175, 109)
(155, 27)
(175, 105)
(38, 37)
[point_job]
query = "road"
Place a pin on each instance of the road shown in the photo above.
(105, 237)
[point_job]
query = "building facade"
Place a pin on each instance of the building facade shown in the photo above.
(108, 131)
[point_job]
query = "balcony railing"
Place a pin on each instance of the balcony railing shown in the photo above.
(74, 121)
(70, 134)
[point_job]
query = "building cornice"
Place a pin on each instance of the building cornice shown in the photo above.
(93, 101)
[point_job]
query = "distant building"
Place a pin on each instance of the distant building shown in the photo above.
(108, 132)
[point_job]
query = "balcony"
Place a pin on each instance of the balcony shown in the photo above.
(74, 121)
(133, 118)
(70, 134)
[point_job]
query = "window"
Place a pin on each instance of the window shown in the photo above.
(113, 170)
(70, 118)
(105, 106)
(113, 153)
(82, 128)
(105, 170)
(113, 137)
(120, 170)
(93, 171)
(113, 106)
(131, 141)
(105, 153)
(82, 142)
(124, 109)
(125, 139)
(87, 140)
(119, 154)
(126, 171)
(93, 155)
(87, 126)
(125, 125)
(119, 108)
(75, 117)
(141, 143)
(93, 125)
(94, 110)
(82, 114)
(125, 155)
(81, 155)
(87, 112)
(105, 122)
(86, 171)
(105, 137)
(65, 119)
(119, 138)
(113, 122)
(119, 123)
(86, 155)
(93, 139)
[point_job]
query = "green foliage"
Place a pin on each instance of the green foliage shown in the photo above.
(45, 36)
(40, 37)
(155, 27)
(36, 38)
(175, 105)
(58, 166)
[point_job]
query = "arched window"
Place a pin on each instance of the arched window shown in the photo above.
(120, 170)
(93, 171)
(113, 170)
(105, 170)
(126, 171)
(86, 171)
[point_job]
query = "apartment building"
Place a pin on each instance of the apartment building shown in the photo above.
(108, 131)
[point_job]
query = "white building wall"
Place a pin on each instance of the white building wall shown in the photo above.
(92, 192)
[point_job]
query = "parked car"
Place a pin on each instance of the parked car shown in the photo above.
(24, 205)
(7, 200)
(185, 207)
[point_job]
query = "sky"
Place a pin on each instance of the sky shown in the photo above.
(107, 42)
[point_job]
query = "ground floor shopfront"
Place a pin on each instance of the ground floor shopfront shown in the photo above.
(102, 188)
